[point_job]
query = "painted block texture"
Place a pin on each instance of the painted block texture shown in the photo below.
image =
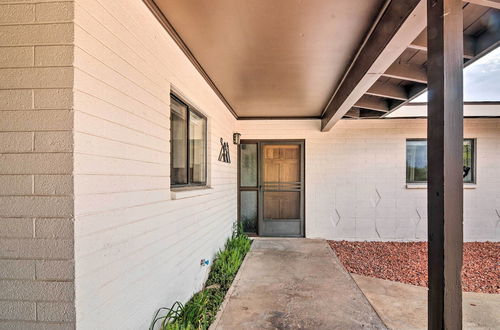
(90, 236)
(356, 178)
(136, 249)
(36, 165)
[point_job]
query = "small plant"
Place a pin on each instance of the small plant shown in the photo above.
(200, 311)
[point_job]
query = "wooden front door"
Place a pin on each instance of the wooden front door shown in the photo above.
(271, 187)
(281, 189)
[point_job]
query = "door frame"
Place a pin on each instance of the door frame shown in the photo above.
(259, 142)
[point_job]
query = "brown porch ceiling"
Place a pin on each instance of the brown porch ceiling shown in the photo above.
(280, 58)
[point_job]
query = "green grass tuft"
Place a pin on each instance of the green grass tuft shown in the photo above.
(200, 311)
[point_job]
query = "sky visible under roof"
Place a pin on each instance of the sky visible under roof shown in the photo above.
(481, 80)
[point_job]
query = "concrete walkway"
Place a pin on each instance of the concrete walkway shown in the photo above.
(295, 284)
(404, 306)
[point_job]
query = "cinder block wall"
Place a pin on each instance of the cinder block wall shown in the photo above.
(136, 247)
(363, 163)
(36, 165)
(91, 235)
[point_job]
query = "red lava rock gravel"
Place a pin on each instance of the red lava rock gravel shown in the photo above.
(406, 262)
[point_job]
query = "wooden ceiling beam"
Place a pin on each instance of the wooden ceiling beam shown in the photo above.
(372, 103)
(352, 113)
(388, 90)
(399, 24)
(484, 43)
(486, 3)
(487, 41)
(404, 71)
(420, 43)
(369, 114)
(415, 90)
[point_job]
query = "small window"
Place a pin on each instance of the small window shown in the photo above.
(188, 145)
(416, 161)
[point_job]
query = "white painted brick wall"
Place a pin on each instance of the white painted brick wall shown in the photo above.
(136, 249)
(355, 178)
(84, 170)
(36, 165)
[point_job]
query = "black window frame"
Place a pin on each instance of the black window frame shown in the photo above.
(188, 145)
(473, 161)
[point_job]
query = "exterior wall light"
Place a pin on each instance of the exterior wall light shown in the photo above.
(236, 138)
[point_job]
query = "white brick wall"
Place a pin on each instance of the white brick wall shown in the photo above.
(136, 249)
(355, 178)
(36, 165)
(87, 216)
(84, 140)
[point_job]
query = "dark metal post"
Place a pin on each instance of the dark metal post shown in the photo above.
(445, 162)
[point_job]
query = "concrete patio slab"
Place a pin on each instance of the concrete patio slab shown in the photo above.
(295, 284)
(404, 306)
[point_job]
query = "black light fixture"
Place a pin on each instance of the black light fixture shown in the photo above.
(236, 138)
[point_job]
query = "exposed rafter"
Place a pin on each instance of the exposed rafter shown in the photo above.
(405, 71)
(486, 3)
(357, 113)
(488, 40)
(372, 103)
(388, 90)
(477, 42)
(420, 43)
(352, 113)
(482, 44)
(415, 90)
(369, 114)
(398, 26)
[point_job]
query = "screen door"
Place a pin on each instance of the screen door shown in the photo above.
(272, 187)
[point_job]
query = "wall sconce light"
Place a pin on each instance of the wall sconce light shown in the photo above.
(236, 138)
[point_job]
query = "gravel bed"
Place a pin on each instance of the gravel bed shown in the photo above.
(407, 262)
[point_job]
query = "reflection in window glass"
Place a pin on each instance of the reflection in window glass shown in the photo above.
(188, 156)
(248, 166)
(178, 127)
(197, 148)
(248, 211)
(468, 161)
(416, 161)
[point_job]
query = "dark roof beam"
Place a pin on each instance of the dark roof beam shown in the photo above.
(487, 41)
(420, 43)
(352, 113)
(372, 103)
(406, 71)
(398, 25)
(388, 90)
(486, 3)
(369, 114)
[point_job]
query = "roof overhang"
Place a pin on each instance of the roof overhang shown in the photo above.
(376, 92)
(318, 59)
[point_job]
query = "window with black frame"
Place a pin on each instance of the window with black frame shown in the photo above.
(188, 145)
(416, 161)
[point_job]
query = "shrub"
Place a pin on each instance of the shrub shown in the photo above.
(200, 311)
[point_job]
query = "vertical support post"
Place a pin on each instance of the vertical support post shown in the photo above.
(445, 162)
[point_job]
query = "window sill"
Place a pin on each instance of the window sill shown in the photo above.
(424, 186)
(416, 186)
(188, 192)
